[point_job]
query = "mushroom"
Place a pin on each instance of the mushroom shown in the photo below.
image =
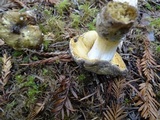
(19, 30)
(96, 50)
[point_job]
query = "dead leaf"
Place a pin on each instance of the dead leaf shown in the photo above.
(6, 69)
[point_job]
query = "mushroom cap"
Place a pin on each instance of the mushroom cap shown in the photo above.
(18, 29)
(79, 48)
(118, 18)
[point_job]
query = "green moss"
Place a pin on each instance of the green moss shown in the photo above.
(148, 6)
(62, 6)
(17, 53)
(33, 89)
(0, 59)
(44, 71)
(19, 79)
(75, 20)
(54, 24)
(155, 22)
(81, 77)
(46, 44)
(158, 48)
(11, 105)
(87, 12)
(92, 25)
(35, 58)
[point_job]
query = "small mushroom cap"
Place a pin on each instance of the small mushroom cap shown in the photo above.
(19, 31)
(79, 48)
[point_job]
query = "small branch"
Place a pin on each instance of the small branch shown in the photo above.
(88, 96)
(139, 94)
(63, 58)
(47, 53)
(20, 3)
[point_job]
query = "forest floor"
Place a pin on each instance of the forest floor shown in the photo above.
(47, 84)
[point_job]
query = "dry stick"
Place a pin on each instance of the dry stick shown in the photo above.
(88, 96)
(139, 94)
(83, 113)
(47, 53)
(20, 3)
(64, 58)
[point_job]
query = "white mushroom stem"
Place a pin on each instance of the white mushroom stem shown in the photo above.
(104, 48)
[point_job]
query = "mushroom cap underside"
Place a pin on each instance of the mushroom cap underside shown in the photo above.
(81, 45)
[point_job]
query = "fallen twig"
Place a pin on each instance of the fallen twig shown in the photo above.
(46, 54)
(63, 58)
(90, 95)
(20, 3)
